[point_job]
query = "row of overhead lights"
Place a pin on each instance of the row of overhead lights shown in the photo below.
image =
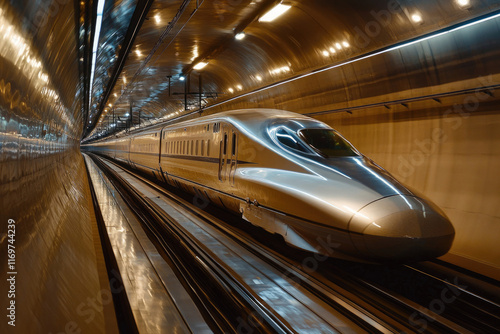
(336, 47)
(280, 9)
(269, 16)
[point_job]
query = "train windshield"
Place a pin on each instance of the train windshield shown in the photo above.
(290, 140)
(328, 143)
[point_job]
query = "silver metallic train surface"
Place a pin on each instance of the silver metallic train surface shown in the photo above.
(295, 176)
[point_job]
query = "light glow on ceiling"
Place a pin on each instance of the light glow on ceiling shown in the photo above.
(239, 36)
(280, 70)
(417, 18)
(200, 65)
(274, 13)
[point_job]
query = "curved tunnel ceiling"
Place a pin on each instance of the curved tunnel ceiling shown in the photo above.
(310, 36)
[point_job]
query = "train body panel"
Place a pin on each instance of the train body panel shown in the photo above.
(294, 176)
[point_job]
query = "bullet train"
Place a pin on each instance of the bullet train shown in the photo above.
(294, 176)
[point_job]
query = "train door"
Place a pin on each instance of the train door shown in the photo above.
(234, 160)
(223, 152)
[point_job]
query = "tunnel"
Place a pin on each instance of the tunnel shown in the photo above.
(412, 85)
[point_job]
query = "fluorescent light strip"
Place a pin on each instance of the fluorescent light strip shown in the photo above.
(200, 65)
(397, 47)
(274, 13)
(97, 32)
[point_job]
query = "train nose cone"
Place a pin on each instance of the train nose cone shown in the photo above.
(401, 228)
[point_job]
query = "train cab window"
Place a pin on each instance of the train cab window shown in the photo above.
(328, 143)
(288, 139)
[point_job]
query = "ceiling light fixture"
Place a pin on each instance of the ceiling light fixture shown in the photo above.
(200, 65)
(274, 13)
(239, 36)
(182, 78)
(416, 18)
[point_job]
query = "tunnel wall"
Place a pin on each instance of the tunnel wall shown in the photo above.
(45, 211)
(427, 112)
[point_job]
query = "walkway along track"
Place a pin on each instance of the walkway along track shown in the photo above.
(229, 299)
(373, 307)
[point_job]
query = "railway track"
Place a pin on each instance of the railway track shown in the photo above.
(359, 293)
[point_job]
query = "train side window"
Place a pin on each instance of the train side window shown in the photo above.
(196, 149)
(208, 127)
(208, 147)
(192, 147)
(233, 150)
(225, 143)
(202, 148)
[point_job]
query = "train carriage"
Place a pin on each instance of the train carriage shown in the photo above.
(294, 176)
